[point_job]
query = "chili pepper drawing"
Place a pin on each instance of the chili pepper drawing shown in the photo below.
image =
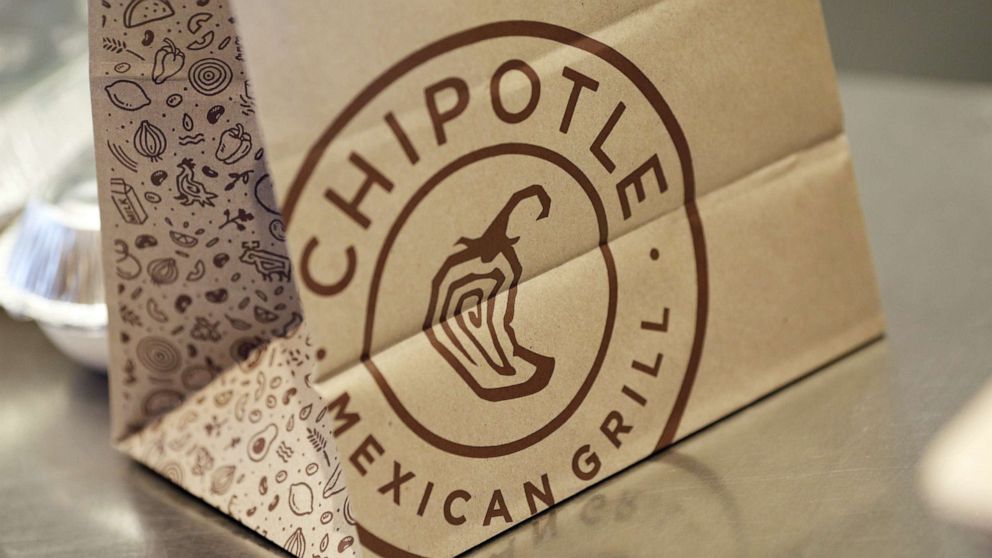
(168, 61)
(233, 145)
(471, 326)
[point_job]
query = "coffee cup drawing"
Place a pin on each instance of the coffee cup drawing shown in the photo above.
(469, 318)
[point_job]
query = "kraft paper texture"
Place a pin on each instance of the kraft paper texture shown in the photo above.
(487, 254)
(210, 359)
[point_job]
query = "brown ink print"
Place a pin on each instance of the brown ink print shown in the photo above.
(222, 479)
(210, 76)
(169, 61)
(161, 401)
(205, 329)
(189, 190)
(127, 203)
(471, 326)
(203, 42)
(118, 46)
(143, 12)
(149, 141)
(122, 157)
(261, 442)
(233, 145)
(270, 265)
(300, 499)
(158, 354)
(196, 21)
(163, 271)
(127, 95)
(296, 544)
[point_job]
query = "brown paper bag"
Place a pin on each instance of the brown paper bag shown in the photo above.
(210, 360)
(534, 243)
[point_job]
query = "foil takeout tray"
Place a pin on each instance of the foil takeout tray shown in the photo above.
(51, 267)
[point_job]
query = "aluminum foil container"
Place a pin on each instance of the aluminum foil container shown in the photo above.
(50, 269)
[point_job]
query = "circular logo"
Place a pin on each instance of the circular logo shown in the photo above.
(498, 242)
(491, 331)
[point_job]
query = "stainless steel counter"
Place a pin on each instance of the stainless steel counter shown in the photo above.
(825, 467)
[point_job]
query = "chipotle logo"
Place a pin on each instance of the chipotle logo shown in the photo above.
(500, 255)
(471, 325)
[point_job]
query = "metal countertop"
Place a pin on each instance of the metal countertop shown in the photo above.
(825, 467)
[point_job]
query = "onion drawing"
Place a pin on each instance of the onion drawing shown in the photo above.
(172, 471)
(222, 479)
(149, 141)
(210, 76)
(163, 271)
(470, 326)
(158, 355)
(296, 544)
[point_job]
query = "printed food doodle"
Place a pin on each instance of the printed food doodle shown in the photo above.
(127, 95)
(210, 332)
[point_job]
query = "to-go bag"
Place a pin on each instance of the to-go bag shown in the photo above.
(389, 279)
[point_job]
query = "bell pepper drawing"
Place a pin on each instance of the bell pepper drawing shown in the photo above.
(233, 145)
(470, 318)
(168, 61)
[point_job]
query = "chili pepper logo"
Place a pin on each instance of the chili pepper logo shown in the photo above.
(470, 320)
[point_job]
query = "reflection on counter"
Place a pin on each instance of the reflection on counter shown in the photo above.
(697, 499)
